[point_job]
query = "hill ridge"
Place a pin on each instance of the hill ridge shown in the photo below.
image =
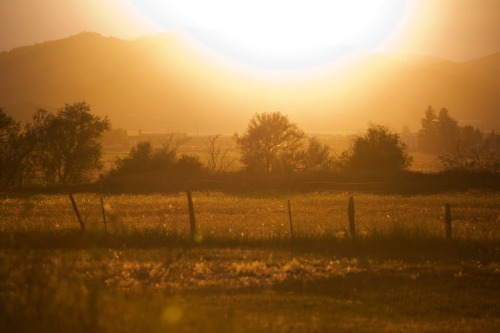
(160, 83)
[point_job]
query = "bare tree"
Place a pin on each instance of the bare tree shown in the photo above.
(482, 158)
(173, 141)
(218, 156)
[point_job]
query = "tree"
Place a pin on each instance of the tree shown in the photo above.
(439, 133)
(68, 146)
(378, 150)
(474, 153)
(188, 164)
(145, 157)
(15, 152)
(316, 156)
(457, 147)
(270, 143)
(469, 137)
(9, 140)
(218, 159)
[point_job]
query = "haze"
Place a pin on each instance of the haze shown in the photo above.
(456, 30)
(330, 66)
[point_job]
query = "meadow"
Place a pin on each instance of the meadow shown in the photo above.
(244, 272)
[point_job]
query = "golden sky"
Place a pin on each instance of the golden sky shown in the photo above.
(453, 29)
(292, 54)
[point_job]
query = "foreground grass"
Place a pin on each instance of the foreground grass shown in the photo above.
(244, 274)
(242, 290)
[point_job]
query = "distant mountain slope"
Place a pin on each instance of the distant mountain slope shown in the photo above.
(163, 84)
(490, 62)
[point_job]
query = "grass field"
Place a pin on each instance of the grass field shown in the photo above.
(244, 273)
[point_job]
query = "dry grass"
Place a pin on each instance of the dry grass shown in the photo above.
(262, 218)
(243, 274)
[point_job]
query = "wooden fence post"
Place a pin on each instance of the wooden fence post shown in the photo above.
(192, 221)
(78, 216)
(447, 220)
(350, 214)
(103, 215)
(290, 218)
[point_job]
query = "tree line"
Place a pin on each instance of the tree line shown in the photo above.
(60, 148)
(458, 147)
(65, 148)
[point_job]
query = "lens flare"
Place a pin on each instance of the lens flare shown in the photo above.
(172, 314)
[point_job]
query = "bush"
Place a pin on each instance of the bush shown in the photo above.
(144, 157)
(378, 150)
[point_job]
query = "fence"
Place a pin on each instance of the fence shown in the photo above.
(195, 236)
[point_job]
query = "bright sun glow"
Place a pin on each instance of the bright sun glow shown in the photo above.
(281, 33)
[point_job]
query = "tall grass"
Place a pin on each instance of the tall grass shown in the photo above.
(158, 219)
(146, 275)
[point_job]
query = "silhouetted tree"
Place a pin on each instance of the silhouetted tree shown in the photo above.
(439, 133)
(9, 130)
(9, 146)
(15, 152)
(270, 143)
(477, 153)
(218, 159)
(67, 144)
(458, 148)
(469, 137)
(317, 156)
(188, 164)
(378, 150)
(144, 157)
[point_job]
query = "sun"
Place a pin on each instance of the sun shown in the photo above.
(281, 33)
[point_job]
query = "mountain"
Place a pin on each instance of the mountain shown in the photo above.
(167, 83)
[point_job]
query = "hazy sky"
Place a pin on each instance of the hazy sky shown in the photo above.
(454, 29)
